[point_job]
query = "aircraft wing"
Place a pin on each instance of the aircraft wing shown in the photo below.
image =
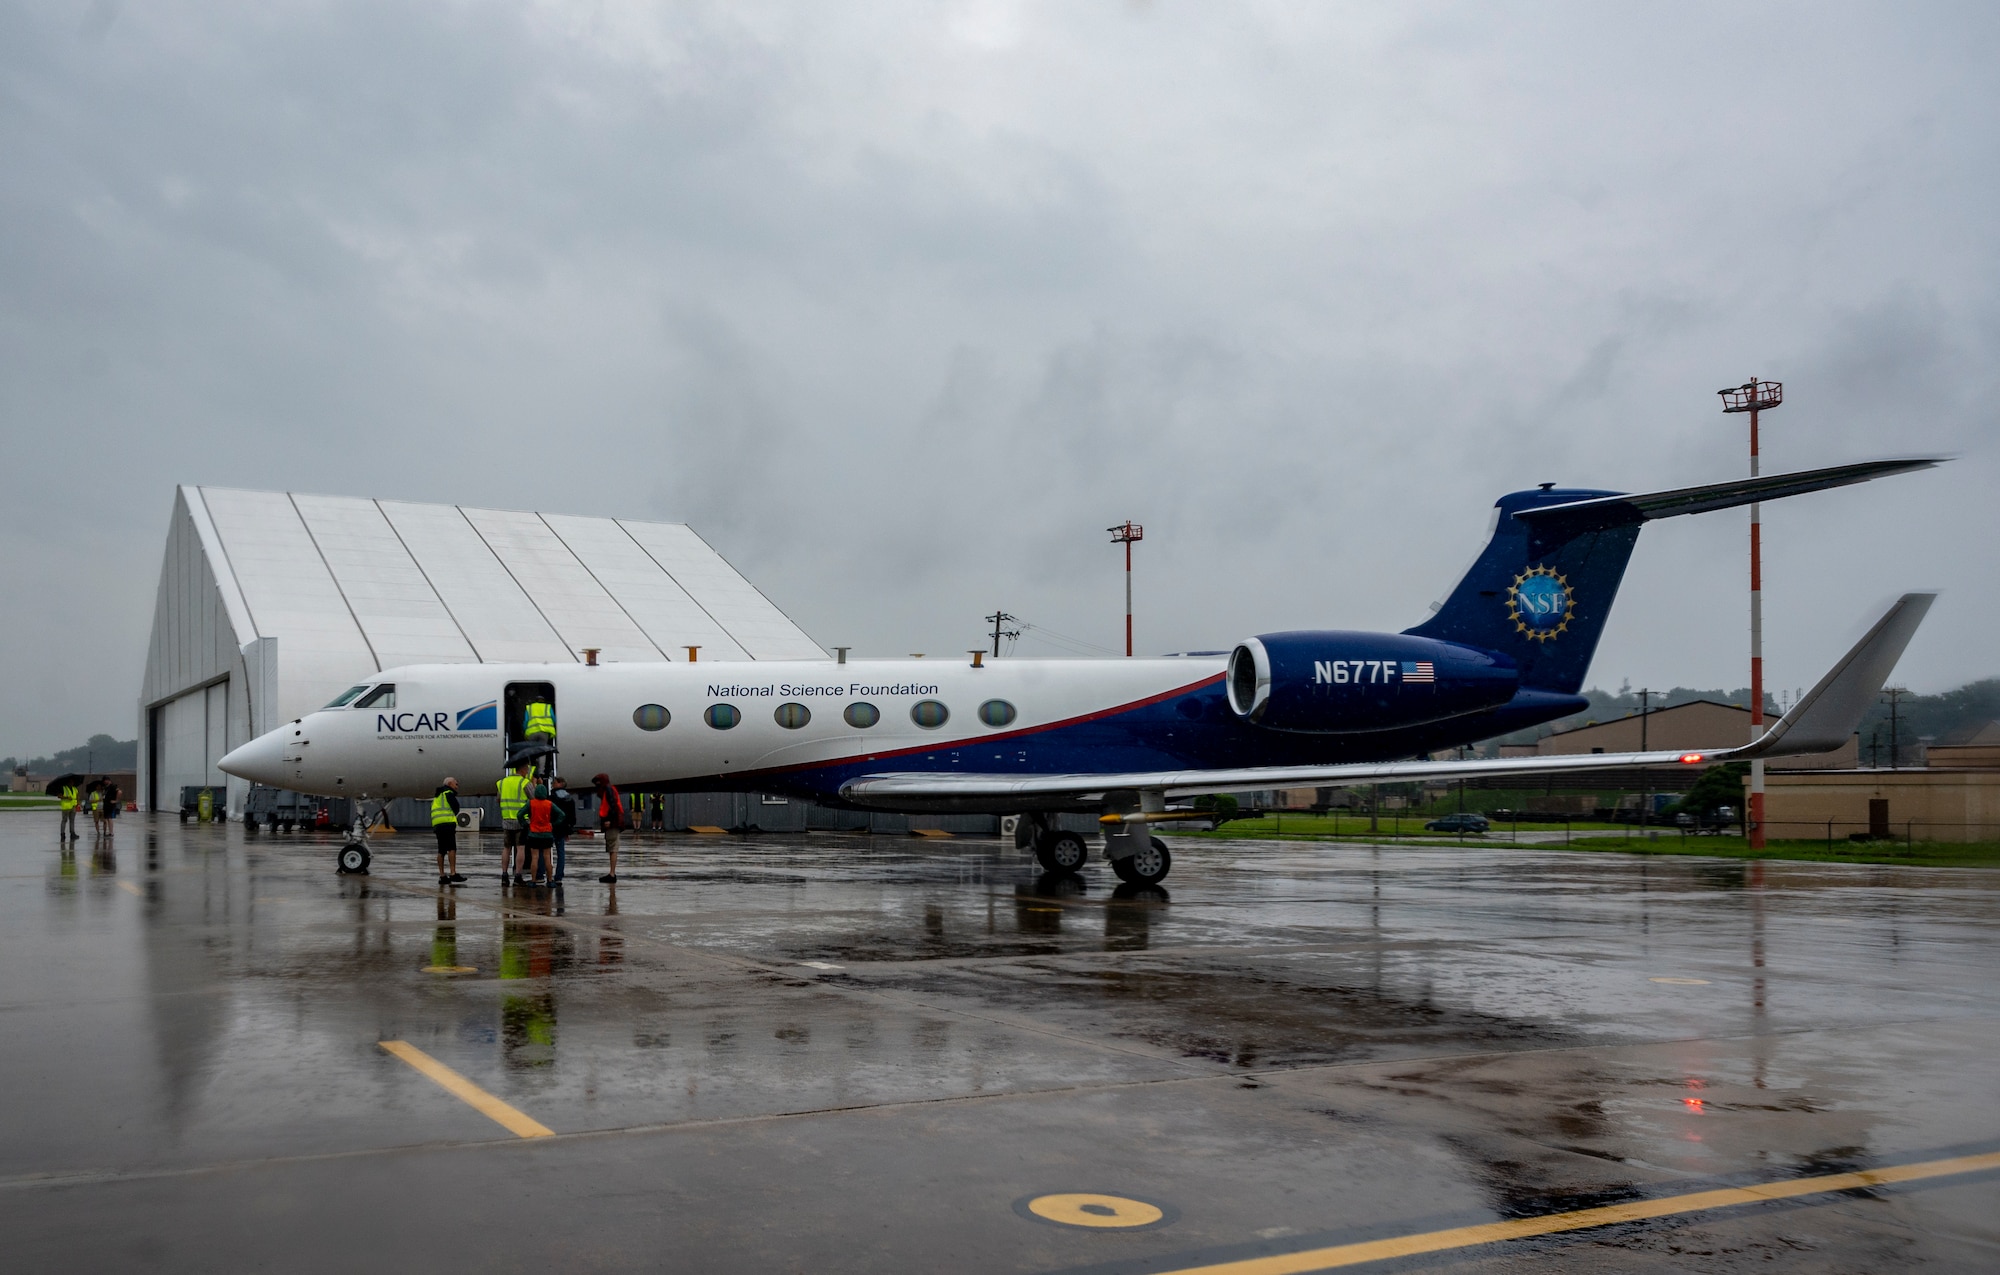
(1821, 721)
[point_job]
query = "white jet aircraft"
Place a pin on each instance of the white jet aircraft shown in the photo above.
(1124, 739)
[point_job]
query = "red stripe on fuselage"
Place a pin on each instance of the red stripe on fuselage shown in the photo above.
(983, 740)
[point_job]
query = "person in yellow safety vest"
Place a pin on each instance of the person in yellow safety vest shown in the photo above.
(444, 823)
(93, 797)
(513, 802)
(66, 830)
(538, 721)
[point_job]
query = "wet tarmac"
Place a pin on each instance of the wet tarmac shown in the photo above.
(837, 1053)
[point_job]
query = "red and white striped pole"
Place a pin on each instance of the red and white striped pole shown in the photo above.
(1125, 534)
(1756, 648)
(1753, 396)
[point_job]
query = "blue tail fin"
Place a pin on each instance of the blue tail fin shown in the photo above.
(1541, 590)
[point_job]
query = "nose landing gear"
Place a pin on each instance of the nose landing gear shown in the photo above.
(353, 858)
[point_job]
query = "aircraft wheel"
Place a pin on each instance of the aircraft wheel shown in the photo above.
(1062, 852)
(353, 858)
(1148, 865)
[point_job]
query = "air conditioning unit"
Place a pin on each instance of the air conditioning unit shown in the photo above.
(469, 818)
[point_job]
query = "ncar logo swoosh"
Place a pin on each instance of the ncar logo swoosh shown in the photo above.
(483, 717)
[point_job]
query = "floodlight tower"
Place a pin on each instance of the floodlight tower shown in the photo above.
(1125, 534)
(1754, 396)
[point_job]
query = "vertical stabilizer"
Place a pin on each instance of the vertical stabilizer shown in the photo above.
(1541, 590)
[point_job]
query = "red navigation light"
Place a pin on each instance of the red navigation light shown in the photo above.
(1689, 759)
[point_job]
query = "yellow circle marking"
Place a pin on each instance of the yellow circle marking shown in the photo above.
(1085, 1209)
(451, 969)
(1682, 982)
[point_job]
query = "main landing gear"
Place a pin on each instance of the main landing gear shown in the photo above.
(1061, 851)
(1148, 865)
(1065, 852)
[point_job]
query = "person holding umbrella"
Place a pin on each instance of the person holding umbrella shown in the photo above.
(65, 787)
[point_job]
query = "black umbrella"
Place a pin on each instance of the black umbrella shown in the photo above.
(56, 785)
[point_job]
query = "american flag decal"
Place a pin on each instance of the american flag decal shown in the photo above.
(1418, 671)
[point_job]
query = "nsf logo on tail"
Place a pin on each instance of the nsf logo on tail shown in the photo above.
(1540, 603)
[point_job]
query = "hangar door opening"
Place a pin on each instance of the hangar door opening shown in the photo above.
(189, 734)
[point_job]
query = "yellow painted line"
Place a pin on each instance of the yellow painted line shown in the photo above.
(468, 1093)
(1326, 1259)
(130, 888)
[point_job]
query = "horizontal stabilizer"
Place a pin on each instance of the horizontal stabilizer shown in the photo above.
(1623, 511)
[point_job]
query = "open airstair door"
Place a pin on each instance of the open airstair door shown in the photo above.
(520, 716)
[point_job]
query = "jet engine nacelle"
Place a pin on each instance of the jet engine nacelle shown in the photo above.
(1335, 682)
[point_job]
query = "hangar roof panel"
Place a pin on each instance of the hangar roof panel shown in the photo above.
(654, 600)
(350, 586)
(759, 627)
(402, 616)
(498, 618)
(579, 607)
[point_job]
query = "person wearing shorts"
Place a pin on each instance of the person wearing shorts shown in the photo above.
(109, 797)
(611, 820)
(444, 825)
(514, 791)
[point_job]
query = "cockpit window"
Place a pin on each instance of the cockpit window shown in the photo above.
(347, 696)
(383, 696)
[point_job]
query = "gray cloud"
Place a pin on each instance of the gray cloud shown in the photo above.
(901, 306)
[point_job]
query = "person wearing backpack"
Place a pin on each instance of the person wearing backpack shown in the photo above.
(565, 821)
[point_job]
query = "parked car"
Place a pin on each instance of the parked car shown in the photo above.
(1463, 822)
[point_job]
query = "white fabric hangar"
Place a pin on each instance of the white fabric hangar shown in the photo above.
(272, 602)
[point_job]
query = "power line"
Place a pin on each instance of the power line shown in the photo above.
(1031, 630)
(997, 619)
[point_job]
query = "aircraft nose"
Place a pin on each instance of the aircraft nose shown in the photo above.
(261, 761)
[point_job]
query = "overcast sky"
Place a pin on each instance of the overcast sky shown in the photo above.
(901, 305)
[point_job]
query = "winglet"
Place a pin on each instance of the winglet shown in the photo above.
(1832, 710)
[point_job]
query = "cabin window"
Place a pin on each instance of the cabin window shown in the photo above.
(722, 716)
(651, 717)
(383, 696)
(347, 696)
(861, 716)
(792, 716)
(996, 712)
(929, 714)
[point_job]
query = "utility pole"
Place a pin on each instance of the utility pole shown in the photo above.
(1646, 802)
(1754, 396)
(997, 619)
(1125, 534)
(1895, 694)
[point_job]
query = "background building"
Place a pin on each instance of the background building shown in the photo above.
(272, 602)
(1954, 795)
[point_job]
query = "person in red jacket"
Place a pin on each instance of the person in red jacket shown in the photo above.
(541, 835)
(611, 819)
